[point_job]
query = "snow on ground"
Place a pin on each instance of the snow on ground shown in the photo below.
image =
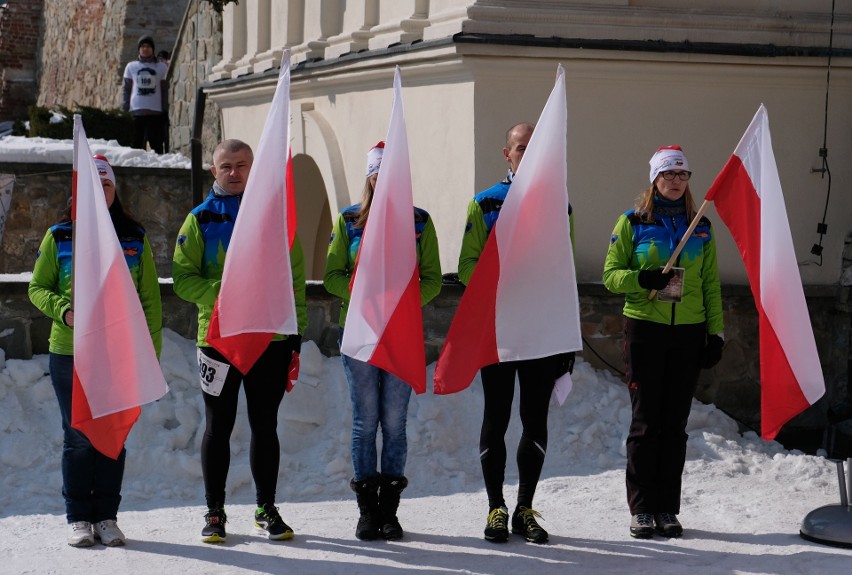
(744, 498)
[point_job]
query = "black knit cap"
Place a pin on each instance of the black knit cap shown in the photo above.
(145, 40)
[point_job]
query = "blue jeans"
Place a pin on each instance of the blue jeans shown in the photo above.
(378, 397)
(91, 481)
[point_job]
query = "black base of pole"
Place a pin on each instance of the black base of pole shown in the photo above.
(829, 525)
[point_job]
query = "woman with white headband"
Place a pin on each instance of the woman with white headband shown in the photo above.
(379, 398)
(91, 481)
(669, 336)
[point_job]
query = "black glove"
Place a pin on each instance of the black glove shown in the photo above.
(654, 279)
(712, 351)
(295, 341)
(563, 363)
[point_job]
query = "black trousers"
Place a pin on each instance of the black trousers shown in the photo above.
(265, 385)
(150, 129)
(536, 377)
(663, 364)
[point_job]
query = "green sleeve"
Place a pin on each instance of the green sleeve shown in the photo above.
(711, 287)
(337, 270)
(473, 241)
(44, 285)
(571, 232)
(297, 265)
(149, 296)
(618, 277)
(189, 281)
(429, 264)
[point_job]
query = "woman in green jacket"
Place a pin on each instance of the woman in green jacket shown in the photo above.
(91, 481)
(378, 397)
(668, 338)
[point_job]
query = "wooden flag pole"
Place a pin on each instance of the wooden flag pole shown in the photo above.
(683, 240)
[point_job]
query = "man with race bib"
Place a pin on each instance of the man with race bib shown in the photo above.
(197, 271)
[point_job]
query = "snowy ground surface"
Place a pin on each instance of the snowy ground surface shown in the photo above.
(744, 498)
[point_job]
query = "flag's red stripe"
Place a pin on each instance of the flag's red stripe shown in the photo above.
(291, 200)
(472, 339)
(738, 204)
(107, 434)
(781, 398)
(400, 348)
(242, 350)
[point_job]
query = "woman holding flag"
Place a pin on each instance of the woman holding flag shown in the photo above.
(378, 396)
(669, 336)
(91, 481)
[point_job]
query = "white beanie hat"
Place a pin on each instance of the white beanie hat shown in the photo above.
(104, 169)
(667, 158)
(374, 158)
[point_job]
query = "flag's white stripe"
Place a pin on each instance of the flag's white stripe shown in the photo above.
(114, 356)
(781, 293)
(388, 258)
(256, 295)
(537, 311)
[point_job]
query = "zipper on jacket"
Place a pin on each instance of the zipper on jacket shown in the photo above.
(677, 263)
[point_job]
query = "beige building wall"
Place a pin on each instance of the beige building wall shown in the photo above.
(640, 74)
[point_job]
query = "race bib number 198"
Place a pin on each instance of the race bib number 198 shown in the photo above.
(212, 374)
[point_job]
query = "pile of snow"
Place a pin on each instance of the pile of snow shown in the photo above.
(743, 501)
(50, 151)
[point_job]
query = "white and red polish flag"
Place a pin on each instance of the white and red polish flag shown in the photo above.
(747, 195)
(521, 302)
(115, 365)
(384, 324)
(256, 299)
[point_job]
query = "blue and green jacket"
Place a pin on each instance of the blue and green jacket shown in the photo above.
(636, 245)
(343, 251)
(482, 214)
(199, 259)
(50, 286)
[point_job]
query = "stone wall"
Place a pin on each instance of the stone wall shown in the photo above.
(159, 198)
(733, 385)
(197, 50)
(20, 22)
(87, 43)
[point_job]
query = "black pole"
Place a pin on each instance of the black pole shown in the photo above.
(197, 177)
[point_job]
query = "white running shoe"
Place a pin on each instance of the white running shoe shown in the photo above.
(108, 533)
(81, 534)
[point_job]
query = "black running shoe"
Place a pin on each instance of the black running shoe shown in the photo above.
(496, 529)
(642, 526)
(214, 530)
(668, 525)
(524, 523)
(268, 519)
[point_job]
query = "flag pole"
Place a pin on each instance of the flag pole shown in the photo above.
(75, 166)
(683, 240)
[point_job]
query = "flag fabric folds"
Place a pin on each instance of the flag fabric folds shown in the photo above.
(256, 299)
(115, 365)
(384, 324)
(521, 302)
(747, 195)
